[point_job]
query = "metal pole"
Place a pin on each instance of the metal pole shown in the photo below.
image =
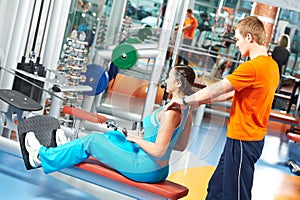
(179, 33)
(13, 55)
(215, 23)
(115, 20)
(17, 44)
(160, 60)
(55, 34)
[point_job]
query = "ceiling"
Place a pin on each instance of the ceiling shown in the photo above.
(285, 4)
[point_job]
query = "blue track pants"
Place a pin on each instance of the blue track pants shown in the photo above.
(110, 148)
(233, 177)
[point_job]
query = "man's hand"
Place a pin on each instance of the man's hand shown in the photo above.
(175, 105)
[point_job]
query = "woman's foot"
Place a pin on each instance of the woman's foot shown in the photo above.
(33, 146)
(60, 137)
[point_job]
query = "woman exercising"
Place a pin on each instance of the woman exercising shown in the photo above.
(142, 159)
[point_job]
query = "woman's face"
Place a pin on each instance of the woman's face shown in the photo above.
(172, 83)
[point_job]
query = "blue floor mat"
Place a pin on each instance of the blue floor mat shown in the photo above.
(208, 142)
(18, 183)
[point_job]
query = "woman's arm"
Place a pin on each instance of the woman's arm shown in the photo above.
(169, 122)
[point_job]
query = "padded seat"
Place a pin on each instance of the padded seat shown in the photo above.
(94, 171)
(293, 136)
(166, 189)
(84, 115)
(284, 118)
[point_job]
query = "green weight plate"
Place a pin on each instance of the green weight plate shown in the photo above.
(124, 56)
(144, 33)
(133, 40)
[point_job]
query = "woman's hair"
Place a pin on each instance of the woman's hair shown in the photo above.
(186, 75)
(284, 41)
(253, 26)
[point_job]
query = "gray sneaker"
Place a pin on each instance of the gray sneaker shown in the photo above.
(33, 146)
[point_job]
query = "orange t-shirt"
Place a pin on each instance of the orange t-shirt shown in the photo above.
(255, 82)
(189, 33)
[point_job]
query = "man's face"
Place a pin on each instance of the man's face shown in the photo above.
(242, 43)
(189, 15)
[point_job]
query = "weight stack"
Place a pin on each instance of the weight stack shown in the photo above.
(25, 87)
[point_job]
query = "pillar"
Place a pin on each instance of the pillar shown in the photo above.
(268, 15)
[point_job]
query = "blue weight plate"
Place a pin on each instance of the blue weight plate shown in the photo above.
(96, 77)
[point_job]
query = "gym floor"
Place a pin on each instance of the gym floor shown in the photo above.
(192, 168)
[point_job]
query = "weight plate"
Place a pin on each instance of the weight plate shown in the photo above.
(96, 77)
(124, 56)
(112, 72)
(144, 33)
(133, 40)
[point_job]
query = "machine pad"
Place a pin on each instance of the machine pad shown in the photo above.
(44, 128)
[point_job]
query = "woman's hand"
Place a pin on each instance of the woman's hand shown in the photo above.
(134, 135)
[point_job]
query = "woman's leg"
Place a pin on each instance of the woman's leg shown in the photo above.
(110, 148)
(66, 155)
(126, 157)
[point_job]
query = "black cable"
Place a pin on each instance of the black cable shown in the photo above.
(24, 79)
(46, 21)
(37, 26)
(26, 45)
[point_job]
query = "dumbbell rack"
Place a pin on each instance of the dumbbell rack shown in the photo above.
(102, 30)
(73, 62)
(126, 25)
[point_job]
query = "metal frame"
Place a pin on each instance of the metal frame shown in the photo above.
(12, 148)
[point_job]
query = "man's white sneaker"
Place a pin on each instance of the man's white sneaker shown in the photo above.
(33, 146)
(60, 137)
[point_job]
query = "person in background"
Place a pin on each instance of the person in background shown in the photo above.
(281, 53)
(252, 86)
(189, 28)
(142, 156)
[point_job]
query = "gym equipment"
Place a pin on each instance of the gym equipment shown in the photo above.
(143, 50)
(114, 125)
(59, 80)
(124, 56)
(133, 40)
(144, 33)
(18, 103)
(44, 128)
(295, 48)
(92, 170)
(112, 180)
(31, 67)
(95, 77)
(84, 115)
(112, 72)
(125, 26)
(79, 115)
(293, 165)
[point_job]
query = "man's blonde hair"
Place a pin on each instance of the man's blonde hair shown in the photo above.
(253, 26)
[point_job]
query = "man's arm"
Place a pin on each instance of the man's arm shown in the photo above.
(188, 26)
(217, 92)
